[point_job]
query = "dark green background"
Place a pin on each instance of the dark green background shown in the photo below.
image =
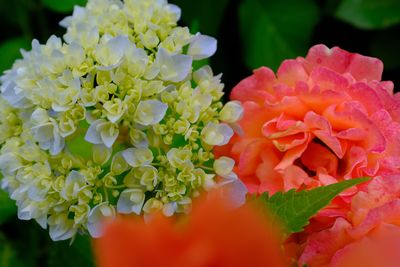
(250, 33)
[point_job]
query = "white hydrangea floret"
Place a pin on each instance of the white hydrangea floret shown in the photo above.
(74, 183)
(119, 164)
(170, 208)
(136, 157)
(180, 158)
(202, 46)
(97, 216)
(223, 166)
(60, 227)
(172, 67)
(102, 132)
(131, 201)
(216, 134)
(111, 51)
(150, 112)
(46, 132)
(231, 112)
(10, 162)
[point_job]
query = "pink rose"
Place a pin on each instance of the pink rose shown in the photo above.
(322, 119)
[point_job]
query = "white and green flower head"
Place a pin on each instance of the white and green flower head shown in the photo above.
(114, 119)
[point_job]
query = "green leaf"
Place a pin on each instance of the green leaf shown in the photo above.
(77, 254)
(8, 255)
(386, 48)
(63, 6)
(7, 207)
(207, 13)
(295, 209)
(10, 51)
(370, 14)
(77, 144)
(272, 31)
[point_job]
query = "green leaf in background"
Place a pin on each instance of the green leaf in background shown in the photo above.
(386, 48)
(8, 208)
(8, 255)
(295, 209)
(272, 31)
(78, 254)
(370, 14)
(63, 6)
(207, 13)
(77, 144)
(10, 51)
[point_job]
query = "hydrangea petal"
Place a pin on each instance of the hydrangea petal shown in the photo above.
(131, 201)
(202, 46)
(97, 216)
(150, 112)
(173, 68)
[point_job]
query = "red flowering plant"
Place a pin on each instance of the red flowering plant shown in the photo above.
(323, 119)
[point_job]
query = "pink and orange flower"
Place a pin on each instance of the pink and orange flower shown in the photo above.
(369, 236)
(322, 119)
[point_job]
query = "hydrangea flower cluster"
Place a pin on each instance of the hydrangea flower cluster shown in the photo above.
(113, 120)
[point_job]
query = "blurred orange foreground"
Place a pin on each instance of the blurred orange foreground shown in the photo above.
(211, 236)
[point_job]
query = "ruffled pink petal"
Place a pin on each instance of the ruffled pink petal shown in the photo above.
(327, 79)
(255, 88)
(291, 155)
(321, 246)
(387, 85)
(326, 179)
(291, 72)
(285, 133)
(379, 249)
(352, 134)
(368, 68)
(250, 157)
(347, 116)
(290, 105)
(335, 59)
(388, 213)
(390, 103)
(294, 177)
(380, 190)
(315, 121)
(253, 119)
(270, 180)
(341, 61)
(355, 158)
(252, 183)
(322, 129)
(317, 100)
(367, 96)
(281, 90)
(390, 130)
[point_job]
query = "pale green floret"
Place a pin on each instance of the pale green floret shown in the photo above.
(223, 166)
(231, 112)
(113, 119)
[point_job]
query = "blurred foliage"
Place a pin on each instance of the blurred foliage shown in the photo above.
(62, 6)
(204, 16)
(10, 50)
(250, 33)
(370, 14)
(272, 31)
(7, 207)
